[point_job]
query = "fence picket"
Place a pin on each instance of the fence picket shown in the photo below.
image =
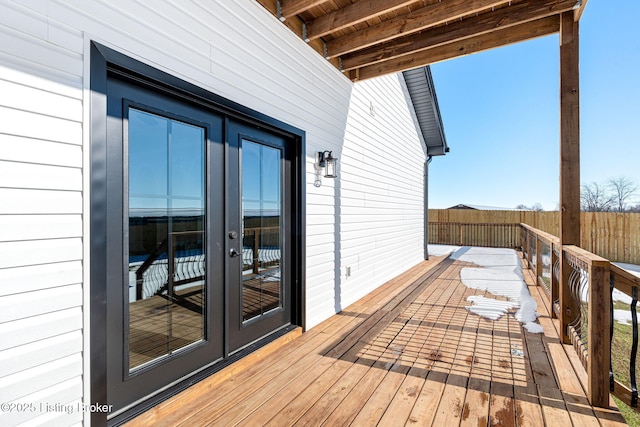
(611, 235)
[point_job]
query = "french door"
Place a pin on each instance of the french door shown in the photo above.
(259, 270)
(198, 253)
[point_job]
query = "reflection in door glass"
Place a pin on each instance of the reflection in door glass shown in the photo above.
(166, 236)
(261, 229)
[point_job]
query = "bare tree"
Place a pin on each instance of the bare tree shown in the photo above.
(536, 207)
(595, 198)
(622, 188)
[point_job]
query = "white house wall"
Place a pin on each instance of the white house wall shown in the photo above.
(369, 220)
(378, 225)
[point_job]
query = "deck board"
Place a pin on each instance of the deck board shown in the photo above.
(408, 353)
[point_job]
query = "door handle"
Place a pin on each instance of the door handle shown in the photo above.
(233, 253)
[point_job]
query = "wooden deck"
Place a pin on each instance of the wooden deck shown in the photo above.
(407, 354)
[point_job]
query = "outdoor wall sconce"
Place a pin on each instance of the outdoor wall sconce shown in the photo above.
(326, 161)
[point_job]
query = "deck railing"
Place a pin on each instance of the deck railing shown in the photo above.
(156, 275)
(623, 384)
(260, 248)
(485, 235)
(583, 304)
(546, 265)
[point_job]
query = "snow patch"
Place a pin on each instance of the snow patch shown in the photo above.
(631, 268)
(439, 250)
(534, 328)
(624, 316)
(500, 275)
(527, 312)
(621, 296)
(489, 308)
(488, 257)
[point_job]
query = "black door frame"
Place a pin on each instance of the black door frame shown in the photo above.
(242, 333)
(107, 62)
(123, 95)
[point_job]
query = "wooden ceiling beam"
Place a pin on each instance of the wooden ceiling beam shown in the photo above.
(295, 25)
(517, 14)
(351, 15)
(420, 19)
(289, 8)
(502, 37)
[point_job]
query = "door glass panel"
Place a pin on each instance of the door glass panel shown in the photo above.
(261, 229)
(166, 236)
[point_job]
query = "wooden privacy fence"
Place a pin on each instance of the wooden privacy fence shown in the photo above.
(611, 235)
(545, 221)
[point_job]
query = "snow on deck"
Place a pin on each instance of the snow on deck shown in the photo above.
(499, 273)
(624, 316)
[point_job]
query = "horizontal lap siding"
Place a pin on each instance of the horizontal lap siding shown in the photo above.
(384, 160)
(377, 224)
(41, 245)
(369, 219)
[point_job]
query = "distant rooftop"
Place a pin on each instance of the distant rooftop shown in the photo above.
(483, 208)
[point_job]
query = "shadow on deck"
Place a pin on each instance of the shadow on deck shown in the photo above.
(407, 354)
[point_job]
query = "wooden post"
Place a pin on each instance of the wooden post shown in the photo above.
(569, 160)
(598, 333)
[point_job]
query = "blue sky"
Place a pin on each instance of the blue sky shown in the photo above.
(500, 110)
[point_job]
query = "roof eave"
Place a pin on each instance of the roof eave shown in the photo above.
(422, 93)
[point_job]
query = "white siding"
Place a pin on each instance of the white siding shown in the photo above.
(369, 219)
(375, 229)
(41, 139)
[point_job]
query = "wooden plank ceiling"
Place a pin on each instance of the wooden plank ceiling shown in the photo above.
(369, 38)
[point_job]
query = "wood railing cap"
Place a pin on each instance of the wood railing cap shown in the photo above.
(586, 255)
(629, 278)
(547, 236)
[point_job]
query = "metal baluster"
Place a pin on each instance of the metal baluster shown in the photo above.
(634, 348)
(583, 290)
(532, 250)
(546, 268)
(556, 274)
(574, 278)
(612, 283)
